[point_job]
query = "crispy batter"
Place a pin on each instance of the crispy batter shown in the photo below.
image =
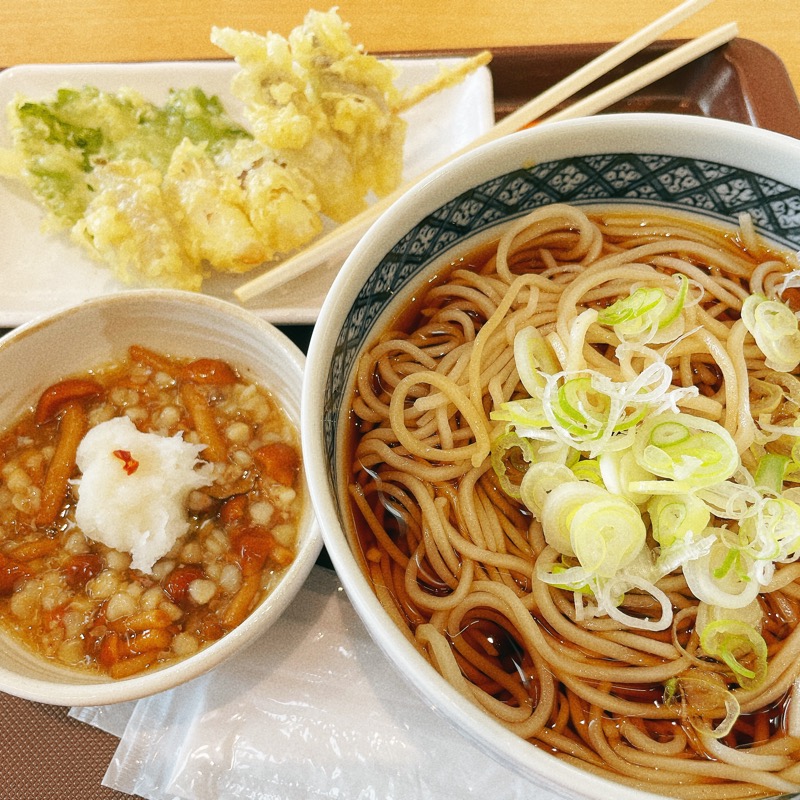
(323, 106)
(163, 195)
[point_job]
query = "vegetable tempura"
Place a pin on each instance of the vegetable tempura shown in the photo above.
(165, 194)
(325, 107)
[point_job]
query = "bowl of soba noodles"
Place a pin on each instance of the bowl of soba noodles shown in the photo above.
(551, 413)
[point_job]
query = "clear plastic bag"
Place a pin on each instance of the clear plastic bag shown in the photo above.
(312, 710)
(112, 719)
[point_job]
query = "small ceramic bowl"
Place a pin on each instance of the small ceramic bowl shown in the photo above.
(94, 333)
(707, 167)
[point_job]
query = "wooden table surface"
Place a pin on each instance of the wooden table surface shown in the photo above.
(35, 31)
(65, 31)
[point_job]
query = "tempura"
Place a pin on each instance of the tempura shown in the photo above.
(164, 195)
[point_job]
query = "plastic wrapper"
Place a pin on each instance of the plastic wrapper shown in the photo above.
(311, 710)
(111, 719)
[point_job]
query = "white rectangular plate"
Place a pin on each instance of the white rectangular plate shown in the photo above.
(41, 272)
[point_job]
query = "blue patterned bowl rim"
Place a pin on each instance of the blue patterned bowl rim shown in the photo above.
(700, 166)
(709, 186)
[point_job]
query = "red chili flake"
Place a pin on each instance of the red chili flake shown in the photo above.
(129, 463)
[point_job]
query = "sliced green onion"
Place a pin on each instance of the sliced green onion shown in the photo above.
(669, 433)
(735, 642)
(685, 448)
(604, 531)
(751, 614)
(514, 453)
(729, 499)
(634, 306)
(681, 551)
(622, 583)
(774, 327)
(607, 534)
(575, 575)
(770, 472)
(772, 531)
(670, 691)
(588, 408)
(573, 579)
(732, 711)
(706, 695)
(560, 506)
(645, 311)
(588, 469)
(540, 479)
(580, 409)
(658, 487)
(620, 472)
(731, 560)
(672, 517)
(532, 357)
(674, 309)
(526, 413)
(711, 581)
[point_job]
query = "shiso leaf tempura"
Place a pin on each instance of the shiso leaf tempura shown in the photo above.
(166, 194)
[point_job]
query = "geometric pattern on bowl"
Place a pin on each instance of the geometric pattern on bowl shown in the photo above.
(712, 189)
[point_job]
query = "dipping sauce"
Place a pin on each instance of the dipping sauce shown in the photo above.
(76, 598)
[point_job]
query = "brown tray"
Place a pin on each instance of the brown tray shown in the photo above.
(47, 755)
(742, 81)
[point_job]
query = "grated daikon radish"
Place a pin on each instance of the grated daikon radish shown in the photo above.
(134, 487)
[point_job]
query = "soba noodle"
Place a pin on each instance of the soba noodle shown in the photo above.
(567, 439)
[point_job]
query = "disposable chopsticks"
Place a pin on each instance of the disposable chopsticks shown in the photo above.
(649, 73)
(341, 240)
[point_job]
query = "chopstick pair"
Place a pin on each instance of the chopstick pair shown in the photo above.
(342, 239)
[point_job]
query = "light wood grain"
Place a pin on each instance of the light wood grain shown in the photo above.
(120, 30)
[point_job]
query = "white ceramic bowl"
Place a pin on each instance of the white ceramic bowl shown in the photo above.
(94, 333)
(714, 168)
